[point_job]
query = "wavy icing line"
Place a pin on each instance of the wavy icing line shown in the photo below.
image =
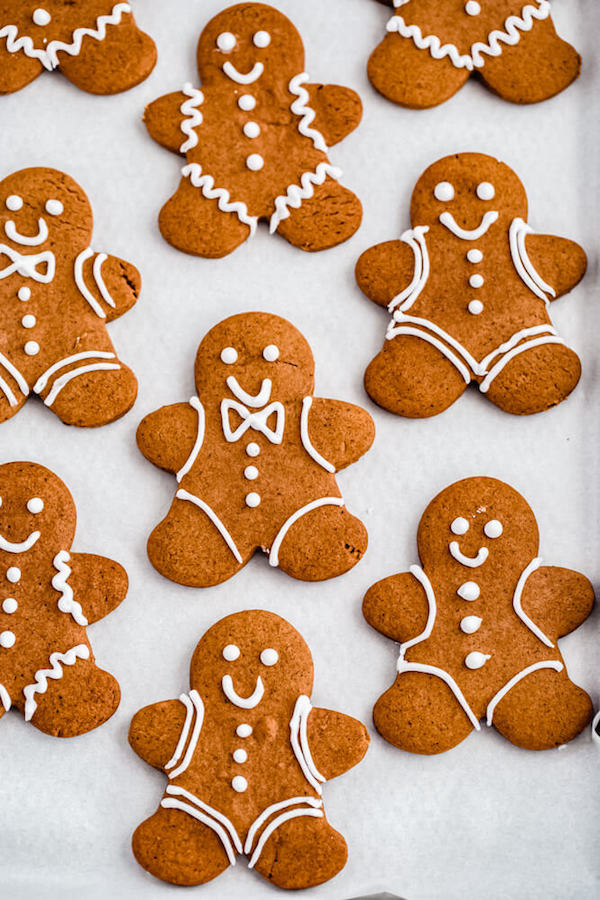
(301, 108)
(296, 194)
(48, 57)
(193, 116)
(67, 602)
(206, 183)
(40, 685)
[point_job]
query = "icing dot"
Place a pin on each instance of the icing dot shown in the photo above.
(243, 730)
(459, 526)
(470, 590)
(252, 449)
(444, 192)
(486, 191)
(252, 129)
(261, 39)
(470, 624)
(269, 657)
(255, 162)
(7, 639)
(472, 8)
(231, 652)
(24, 293)
(240, 756)
(250, 472)
(28, 321)
(226, 42)
(14, 202)
(252, 500)
(13, 574)
(493, 528)
(41, 17)
(10, 606)
(229, 355)
(54, 208)
(475, 307)
(35, 505)
(31, 348)
(246, 102)
(476, 281)
(474, 256)
(476, 660)
(239, 784)
(271, 353)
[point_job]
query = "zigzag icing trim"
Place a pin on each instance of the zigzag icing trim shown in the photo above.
(40, 685)
(66, 603)
(206, 183)
(296, 194)
(48, 57)
(511, 35)
(301, 108)
(193, 116)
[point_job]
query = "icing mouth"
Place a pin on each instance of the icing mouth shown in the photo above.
(473, 562)
(11, 232)
(19, 547)
(449, 222)
(255, 400)
(249, 78)
(243, 702)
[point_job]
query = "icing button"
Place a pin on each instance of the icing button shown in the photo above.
(474, 255)
(476, 660)
(7, 639)
(470, 591)
(472, 8)
(252, 449)
(28, 321)
(24, 293)
(253, 500)
(252, 129)
(41, 17)
(240, 756)
(470, 624)
(10, 606)
(13, 574)
(255, 162)
(243, 730)
(475, 307)
(246, 102)
(250, 472)
(31, 348)
(476, 281)
(239, 783)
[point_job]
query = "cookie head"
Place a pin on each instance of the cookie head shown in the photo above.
(253, 660)
(480, 524)
(37, 511)
(468, 195)
(44, 209)
(249, 44)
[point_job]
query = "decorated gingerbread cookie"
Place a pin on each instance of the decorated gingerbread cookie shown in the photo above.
(96, 44)
(246, 755)
(469, 287)
(478, 625)
(57, 295)
(50, 595)
(433, 46)
(255, 456)
(256, 141)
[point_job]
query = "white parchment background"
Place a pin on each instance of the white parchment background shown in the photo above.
(486, 819)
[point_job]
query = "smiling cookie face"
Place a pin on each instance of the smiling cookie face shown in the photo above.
(37, 512)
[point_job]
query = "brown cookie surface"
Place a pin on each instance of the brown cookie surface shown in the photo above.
(96, 44)
(246, 755)
(255, 138)
(433, 46)
(56, 297)
(255, 456)
(478, 625)
(49, 596)
(469, 287)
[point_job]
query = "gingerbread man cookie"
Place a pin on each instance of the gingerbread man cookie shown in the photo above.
(57, 295)
(50, 596)
(433, 46)
(469, 287)
(255, 456)
(256, 141)
(246, 755)
(96, 44)
(478, 625)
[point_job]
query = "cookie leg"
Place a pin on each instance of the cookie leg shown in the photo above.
(123, 59)
(419, 713)
(194, 224)
(412, 77)
(187, 547)
(412, 378)
(543, 711)
(540, 66)
(302, 853)
(177, 848)
(535, 380)
(83, 698)
(322, 544)
(91, 398)
(17, 70)
(332, 215)
(9, 409)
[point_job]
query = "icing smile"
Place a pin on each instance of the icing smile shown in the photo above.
(21, 547)
(249, 78)
(11, 232)
(449, 222)
(243, 702)
(255, 400)
(473, 562)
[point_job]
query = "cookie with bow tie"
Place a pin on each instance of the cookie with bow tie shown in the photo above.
(57, 295)
(255, 455)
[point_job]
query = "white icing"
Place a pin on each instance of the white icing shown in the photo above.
(269, 657)
(255, 400)
(243, 78)
(7, 639)
(470, 591)
(195, 404)
(444, 192)
(296, 194)
(476, 281)
(595, 725)
(5, 698)
(19, 546)
(529, 276)
(80, 282)
(493, 528)
(257, 421)
(13, 574)
(247, 102)
(192, 116)
(299, 742)
(415, 238)
(226, 42)
(28, 321)
(418, 573)
(476, 660)
(314, 504)
(251, 473)
(191, 498)
(251, 130)
(194, 714)
(449, 222)
(24, 293)
(54, 208)
(255, 162)
(243, 702)
(474, 255)
(67, 603)
(14, 203)
(486, 191)
(268, 812)
(206, 183)
(459, 526)
(472, 8)
(231, 652)
(261, 39)
(239, 784)
(40, 682)
(305, 437)
(253, 449)
(473, 562)
(533, 566)
(300, 107)
(240, 756)
(61, 382)
(32, 348)
(549, 664)
(27, 266)
(86, 354)
(404, 666)
(475, 307)
(210, 819)
(284, 817)
(229, 355)
(271, 353)
(470, 624)
(27, 240)
(10, 606)
(529, 345)
(41, 17)
(243, 730)
(97, 273)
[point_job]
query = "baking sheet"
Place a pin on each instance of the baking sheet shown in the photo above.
(486, 817)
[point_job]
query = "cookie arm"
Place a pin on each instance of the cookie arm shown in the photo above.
(558, 600)
(164, 117)
(340, 432)
(560, 262)
(155, 730)
(167, 437)
(337, 742)
(383, 271)
(338, 110)
(397, 607)
(113, 284)
(98, 584)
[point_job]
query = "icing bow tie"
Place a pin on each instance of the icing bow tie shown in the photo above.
(28, 265)
(257, 421)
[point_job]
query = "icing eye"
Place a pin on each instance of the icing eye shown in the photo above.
(269, 657)
(493, 528)
(444, 192)
(261, 39)
(54, 208)
(231, 652)
(14, 202)
(35, 505)
(229, 356)
(459, 526)
(271, 353)
(486, 191)
(226, 42)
